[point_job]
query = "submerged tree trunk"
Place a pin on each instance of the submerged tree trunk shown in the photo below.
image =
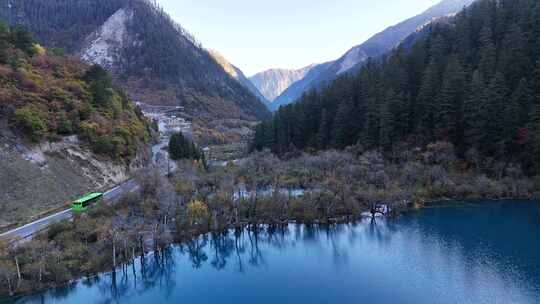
(9, 285)
(18, 270)
(114, 255)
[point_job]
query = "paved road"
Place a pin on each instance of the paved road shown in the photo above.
(112, 195)
(28, 230)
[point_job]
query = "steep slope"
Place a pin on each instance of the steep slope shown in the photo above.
(64, 129)
(153, 58)
(376, 46)
(469, 84)
(272, 83)
(237, 74)
(296, 89)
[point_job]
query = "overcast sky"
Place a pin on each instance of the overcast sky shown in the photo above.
(257, 35)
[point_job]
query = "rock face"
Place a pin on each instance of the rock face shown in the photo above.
(376, 46)
(237, 74)
(272, 83)
(295, 90)
(35, 179)
(104, 45)
(153, 58)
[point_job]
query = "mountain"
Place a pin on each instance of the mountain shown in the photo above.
(376, 46)
(64, 128)
(296, 89)
(237, 74)
(273, 82)
(469, 85)
(153, 58)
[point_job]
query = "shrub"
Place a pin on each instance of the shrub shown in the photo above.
(197, 213)
(104, 145)
(65, 126)
(30, 120)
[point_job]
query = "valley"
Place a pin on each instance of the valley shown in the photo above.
(411, 163)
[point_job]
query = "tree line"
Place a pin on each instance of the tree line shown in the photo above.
(181, 147)
(472, 80)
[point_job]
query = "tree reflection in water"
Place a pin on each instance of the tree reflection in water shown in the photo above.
(240, 249)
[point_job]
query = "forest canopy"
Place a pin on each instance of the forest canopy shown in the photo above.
(472, 80)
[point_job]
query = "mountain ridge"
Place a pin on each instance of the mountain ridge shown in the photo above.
(375, 46)
(272, 82)
(237, 74)
(155, 59)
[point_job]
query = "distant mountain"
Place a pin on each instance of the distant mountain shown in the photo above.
(296, 89)
(376, 46)
(237, 74)
(273, 82)
(152, 57)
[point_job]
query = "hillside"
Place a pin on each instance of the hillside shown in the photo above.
(472, 82)
(272, 83)
(237, 74)
(64, 128)
(153, 58)
(374, 47)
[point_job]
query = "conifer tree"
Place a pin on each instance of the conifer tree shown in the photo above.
(371, 124)
(514, 60)
(399, 105)
(427, 101)
(4, 34)
(477, 91)
(323, 135)
(516, 112)
(449, 102)
(343, 130)
(494, 114)
(488, 54)
(386, 127)
(473, 119)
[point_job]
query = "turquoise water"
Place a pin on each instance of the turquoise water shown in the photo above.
(462, 253)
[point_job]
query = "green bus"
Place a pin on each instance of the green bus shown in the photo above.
(81, 205)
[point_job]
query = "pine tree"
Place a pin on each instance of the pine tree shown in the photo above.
(535, 32)
(473, 111)
(426, 105)
(533, 135)
(343, 133)
(516, 112)
(371, 125)
(386, 127)
(493, 111)
(514, 60)
(488, 54)
(4, 35)
(535, 83)
(399, 106)
(325, 127)
(23, 40)
(449, 102)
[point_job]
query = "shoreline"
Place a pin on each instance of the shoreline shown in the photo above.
(186, 237)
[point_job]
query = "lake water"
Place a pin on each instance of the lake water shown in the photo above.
(461, 253)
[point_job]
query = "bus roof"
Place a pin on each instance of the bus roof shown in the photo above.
(88, 197)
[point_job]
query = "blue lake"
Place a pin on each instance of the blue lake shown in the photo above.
(485, 252)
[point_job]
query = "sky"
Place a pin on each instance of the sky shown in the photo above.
(258, 35)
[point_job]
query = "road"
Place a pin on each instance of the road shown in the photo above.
(160, 159)
(28, 230)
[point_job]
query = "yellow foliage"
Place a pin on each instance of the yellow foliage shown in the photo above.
(197, 212)
(39, 49)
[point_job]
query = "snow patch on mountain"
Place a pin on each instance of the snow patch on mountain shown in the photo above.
(103, 45)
